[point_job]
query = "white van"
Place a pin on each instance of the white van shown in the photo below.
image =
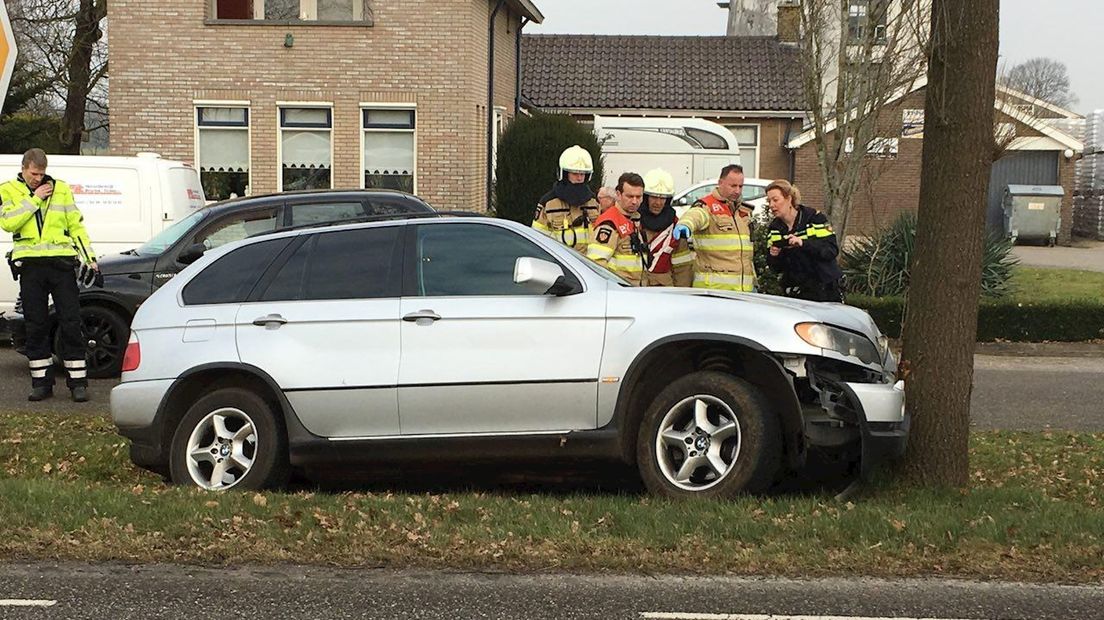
(691, 149)
(125, 200)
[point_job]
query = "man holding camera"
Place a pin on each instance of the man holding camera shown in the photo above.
(50, 244)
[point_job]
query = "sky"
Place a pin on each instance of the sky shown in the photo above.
(1065, 30)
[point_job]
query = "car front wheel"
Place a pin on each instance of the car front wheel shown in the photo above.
(229, 438)
(708, 434)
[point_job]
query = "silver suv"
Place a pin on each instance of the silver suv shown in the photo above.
(480, 340)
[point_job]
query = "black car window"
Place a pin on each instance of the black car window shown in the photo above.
(237, 226)
(396, 205)
(323, 212)
(231, 277)
(348, 264)
(470, 259)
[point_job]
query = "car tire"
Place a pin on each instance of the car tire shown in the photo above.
(106, 333)
(709, 435)
(232, 430)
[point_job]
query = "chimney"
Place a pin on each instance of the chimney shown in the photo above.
(789, 21)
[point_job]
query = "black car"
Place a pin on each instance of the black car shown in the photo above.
(131, 277)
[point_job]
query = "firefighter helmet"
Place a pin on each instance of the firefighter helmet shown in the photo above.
(576, 159)
(659, 182)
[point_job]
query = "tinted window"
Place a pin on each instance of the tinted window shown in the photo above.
(395, 205)
(470, 259)
(349, 264)
(322, 212)
(231, 278)
(237, 226)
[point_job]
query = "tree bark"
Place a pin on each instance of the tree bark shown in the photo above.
(941, 320)
(86, 35)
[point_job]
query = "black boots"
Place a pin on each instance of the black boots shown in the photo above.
(80, 394)
(41, 392)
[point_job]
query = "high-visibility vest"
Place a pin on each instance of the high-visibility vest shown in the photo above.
(669, 261)
(566, 224)
(43, 228)
(612, 245)
(724, 253)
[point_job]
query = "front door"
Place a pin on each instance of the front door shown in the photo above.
(481, 355)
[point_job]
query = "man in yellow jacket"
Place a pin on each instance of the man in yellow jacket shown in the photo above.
(721, 231)
(617, 242)
(567, 212)
(50, 243)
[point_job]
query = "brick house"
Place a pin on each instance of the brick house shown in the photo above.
(1036, 153)
(752, 85)
(271, 95)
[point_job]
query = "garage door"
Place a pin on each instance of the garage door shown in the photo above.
(1020, 168)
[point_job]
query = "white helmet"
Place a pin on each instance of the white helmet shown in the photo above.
(659, 182)
(576, 159)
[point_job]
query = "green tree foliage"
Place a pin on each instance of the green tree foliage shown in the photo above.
(528, 161)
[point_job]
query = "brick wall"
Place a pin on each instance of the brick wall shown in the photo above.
(164, 57)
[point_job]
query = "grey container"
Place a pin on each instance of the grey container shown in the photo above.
(1033, 212)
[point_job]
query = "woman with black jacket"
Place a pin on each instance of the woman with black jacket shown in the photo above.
(803, 248)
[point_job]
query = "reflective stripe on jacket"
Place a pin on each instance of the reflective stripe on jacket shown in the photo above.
(41, 228)
(722, 242)
(566, 224)
(612, 245)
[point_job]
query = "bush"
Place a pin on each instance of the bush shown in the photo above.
(879, 265)
(528, 161)
(1073, 320)
(770, 281)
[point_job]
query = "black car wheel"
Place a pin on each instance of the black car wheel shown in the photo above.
(106, 333)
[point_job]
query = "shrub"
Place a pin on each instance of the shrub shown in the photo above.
(528, 161)
(879, 265)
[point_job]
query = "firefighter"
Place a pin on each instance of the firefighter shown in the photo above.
(49, 245)
(668, 259)
(803, 248)
(567, 212)
(720, 225)
(617, 243)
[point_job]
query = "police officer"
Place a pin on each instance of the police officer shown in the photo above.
(567, 212)
(50, 243)
(803, 248)
(668, 259)
(617, 243)
(720, 226)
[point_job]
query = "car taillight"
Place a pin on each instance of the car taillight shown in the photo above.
(133, 356)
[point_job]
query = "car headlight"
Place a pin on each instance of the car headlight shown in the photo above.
(839, 340)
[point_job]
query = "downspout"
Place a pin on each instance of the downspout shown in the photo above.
(490, 96)
(517, 67)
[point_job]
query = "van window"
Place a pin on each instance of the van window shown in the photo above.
(185, 193)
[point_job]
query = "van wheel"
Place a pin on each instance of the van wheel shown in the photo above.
(708, 434)
(229, 438)
(106, 333)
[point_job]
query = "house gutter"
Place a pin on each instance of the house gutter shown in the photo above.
(490, 96)
(517, 66)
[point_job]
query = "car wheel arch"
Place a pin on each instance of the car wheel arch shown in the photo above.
(677, 355)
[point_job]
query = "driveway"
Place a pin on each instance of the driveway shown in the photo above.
(1084, 254)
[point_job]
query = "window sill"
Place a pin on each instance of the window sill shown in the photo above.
(286, 23)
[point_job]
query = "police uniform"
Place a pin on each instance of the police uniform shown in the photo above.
(723, 251)
(809, 271)
(617, 245)
(49, 241)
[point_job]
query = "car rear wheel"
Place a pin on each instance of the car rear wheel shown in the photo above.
(229, 438)
(708, 434)
(106, 333)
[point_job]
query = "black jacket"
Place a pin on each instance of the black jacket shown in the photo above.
(813, 266)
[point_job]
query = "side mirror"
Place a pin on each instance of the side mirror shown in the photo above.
(191, 254)
(541, 277)
(680, 202)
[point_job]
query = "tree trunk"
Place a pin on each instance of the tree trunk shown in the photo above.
(941, 320)
(86, 35)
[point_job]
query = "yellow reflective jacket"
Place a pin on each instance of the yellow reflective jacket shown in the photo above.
(723, 250)
(41, 228)
(616, 245)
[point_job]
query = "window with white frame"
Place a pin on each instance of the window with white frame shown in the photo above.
(305, 148)
(748, 138)
(389, 148)
(293, 10)
(867, 19)
(223, 150)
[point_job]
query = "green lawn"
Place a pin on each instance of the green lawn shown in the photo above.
(1038, 284)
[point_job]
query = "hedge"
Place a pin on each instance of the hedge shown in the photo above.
(1072, 320)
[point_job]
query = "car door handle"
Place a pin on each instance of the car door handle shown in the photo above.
(428, 315)
(271, 321)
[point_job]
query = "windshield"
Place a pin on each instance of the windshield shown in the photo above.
(169, 236)
(600, 270)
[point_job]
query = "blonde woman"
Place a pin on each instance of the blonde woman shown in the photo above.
(803, 248)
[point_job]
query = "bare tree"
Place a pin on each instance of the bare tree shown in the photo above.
(1042, 78)
(941, 319)
(857, 56)
(62, 41)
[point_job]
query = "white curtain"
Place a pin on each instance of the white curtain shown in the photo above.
(388, 153)
(314, 116)
(306, 149)
(222, 115)
(223, 150)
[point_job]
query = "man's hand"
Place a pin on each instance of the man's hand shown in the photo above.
(44, 190)
(795, 241)
(775, 250)
(681, 231)
(94, 265)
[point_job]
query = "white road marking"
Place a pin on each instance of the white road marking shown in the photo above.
(25, 602)
(663, 615)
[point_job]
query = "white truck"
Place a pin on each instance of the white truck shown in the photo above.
(125, 200)
(691, 149)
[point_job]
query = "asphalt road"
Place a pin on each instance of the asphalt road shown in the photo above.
(49, 591)
(1010, 393)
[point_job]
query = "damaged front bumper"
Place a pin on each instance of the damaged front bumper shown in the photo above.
(883, 421)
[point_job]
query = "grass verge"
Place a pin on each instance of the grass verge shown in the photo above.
(1034, 513)
(1033, 284)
